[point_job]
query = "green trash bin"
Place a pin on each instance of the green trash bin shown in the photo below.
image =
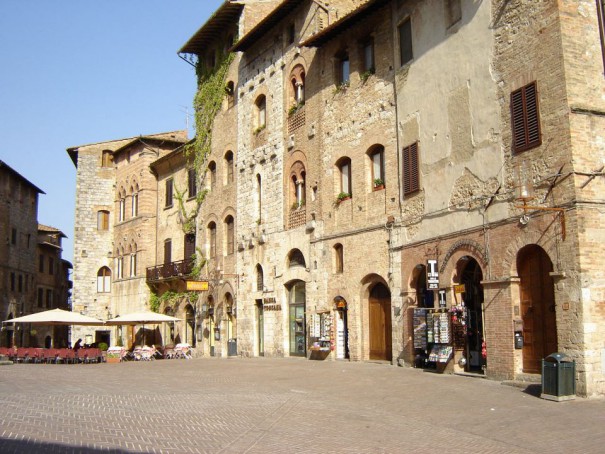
(558, 378)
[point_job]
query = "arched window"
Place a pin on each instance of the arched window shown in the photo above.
(212, 240)
(229, 234)
(344, 171)
(260, 278)
(135, 201)
(376, 155)
(133, 260)
(122, 206)
(297, 84)
(102, 220)
(104, 280)
(298, 191)
(229, 167)
(212, 174)
(230, 94)
(296, 258)
(261, 112)
(338, 258)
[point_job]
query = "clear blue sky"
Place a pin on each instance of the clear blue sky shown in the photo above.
(74, 72)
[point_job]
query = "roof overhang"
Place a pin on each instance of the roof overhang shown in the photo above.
(264, 26)
(21, 177)
(225, 15)
(344, 23)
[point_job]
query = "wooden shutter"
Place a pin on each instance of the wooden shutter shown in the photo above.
(411, 181)
(525, 118)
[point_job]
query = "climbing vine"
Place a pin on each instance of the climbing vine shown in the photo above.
(170, 299)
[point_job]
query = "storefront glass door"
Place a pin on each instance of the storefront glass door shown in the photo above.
(297, 320)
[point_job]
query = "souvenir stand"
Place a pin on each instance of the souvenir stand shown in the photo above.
(432, 338)
(321, 335)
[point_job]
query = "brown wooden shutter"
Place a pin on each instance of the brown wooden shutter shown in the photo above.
(411, 179)
(525, 118)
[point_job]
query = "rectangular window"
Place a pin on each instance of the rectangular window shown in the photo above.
(107, 159)
(20, 283)
(411, 182)
(345, 70)
(212, 242)
(13, 282)
(14, 236)
(51, 265)
(169, 184)
(167, 251)
(525, 118)
(230, 237)
(345, 178)
(49, 298)
(192, 183)
(368, 56)
(102, 220)
(41, 264)
(405, 41)
(601, 19)
(40, 297)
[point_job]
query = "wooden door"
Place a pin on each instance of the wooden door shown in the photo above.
(189, 246)
(380, 323)
(537, 307)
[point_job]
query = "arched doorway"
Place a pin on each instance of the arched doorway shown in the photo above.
(379, 304)
(471, 276)
(342, 329)
(537, 306)
(296, 320)
(424, 297)
(189, 325)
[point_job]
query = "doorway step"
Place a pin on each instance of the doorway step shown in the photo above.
(524, 380)
(470, 374)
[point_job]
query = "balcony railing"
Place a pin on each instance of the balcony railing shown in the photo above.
(169, 270)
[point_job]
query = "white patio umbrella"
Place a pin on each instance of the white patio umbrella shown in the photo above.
(142, 318)
(56, 317)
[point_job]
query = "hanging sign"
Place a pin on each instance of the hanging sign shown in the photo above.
(442, 302)
(460, 288)
(200, 286)
(432, 275)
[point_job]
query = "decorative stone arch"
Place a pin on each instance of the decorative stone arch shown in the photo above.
(530, 237)
(297, 84)
(261, 108)
(295, 258)
(464, 247)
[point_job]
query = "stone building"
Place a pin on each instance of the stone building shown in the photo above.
(18, 252)
(53, 286)
(33, 275)
(406, 159)
(115, 228)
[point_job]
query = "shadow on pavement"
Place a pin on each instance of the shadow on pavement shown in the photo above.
(533, 390)
(29, 447)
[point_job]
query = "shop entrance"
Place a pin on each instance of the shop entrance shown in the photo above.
(471, 277)
(342, 337)
(189, 325)
(537, 307)
(298, 344)
(380, 323)
(260, 323)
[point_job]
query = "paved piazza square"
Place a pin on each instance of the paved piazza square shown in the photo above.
(262, 405)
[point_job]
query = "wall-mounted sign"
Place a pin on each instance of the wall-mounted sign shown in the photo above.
(432, 275)
(268, 301)
(197, 286)
(442, 302)
(460, 288)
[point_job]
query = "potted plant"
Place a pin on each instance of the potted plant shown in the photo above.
(342, 197)
(378, 184)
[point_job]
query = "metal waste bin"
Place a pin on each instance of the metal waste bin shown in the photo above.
(232, 347)
(558, 378)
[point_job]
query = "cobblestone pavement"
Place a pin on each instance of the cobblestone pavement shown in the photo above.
(262, 405)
